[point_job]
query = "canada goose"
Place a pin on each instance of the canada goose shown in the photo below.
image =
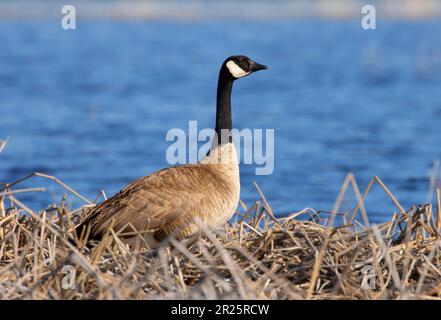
(170, 201)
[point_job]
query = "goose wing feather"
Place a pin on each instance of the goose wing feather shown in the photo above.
(153, 201)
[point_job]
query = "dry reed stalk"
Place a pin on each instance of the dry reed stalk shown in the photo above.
(259, 256)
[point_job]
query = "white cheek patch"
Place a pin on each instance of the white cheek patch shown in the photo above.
(235, 70)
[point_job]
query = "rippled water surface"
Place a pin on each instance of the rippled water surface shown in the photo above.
(93, 106)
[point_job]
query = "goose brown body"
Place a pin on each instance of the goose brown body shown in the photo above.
(172, 200)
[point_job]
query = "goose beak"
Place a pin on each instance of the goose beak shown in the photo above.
(257, 66)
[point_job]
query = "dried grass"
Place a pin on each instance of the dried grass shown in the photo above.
(259, 256)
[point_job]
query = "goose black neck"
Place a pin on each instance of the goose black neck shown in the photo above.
(223, 107)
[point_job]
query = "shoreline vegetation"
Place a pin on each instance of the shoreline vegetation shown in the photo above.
(305, 255)
(199, 9)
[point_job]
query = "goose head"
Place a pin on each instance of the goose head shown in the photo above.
(240, 66)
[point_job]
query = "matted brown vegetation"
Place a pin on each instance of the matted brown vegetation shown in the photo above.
(301, 256)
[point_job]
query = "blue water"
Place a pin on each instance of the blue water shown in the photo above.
(93, 106)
